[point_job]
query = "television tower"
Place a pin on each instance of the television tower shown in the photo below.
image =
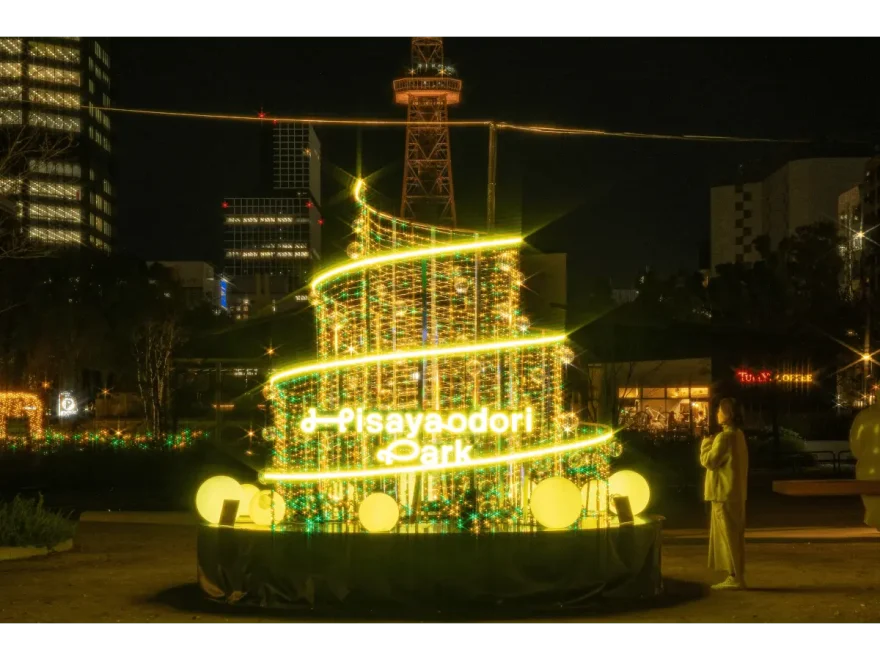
(427, 171)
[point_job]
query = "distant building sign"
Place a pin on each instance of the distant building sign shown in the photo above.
(223, 293)
(767, 376)
(66, 405)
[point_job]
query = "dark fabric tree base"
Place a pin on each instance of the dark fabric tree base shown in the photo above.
(523, 571)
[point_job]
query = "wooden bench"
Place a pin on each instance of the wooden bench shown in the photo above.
(826, 487)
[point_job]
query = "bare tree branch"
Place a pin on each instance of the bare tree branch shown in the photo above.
(24, 150)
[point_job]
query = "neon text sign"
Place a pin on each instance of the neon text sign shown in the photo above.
(407, 451)
(411, 424)
(766, 376)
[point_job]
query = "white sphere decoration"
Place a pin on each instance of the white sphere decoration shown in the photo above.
(379, 512)
(864, 441)
(211, 495)
(267, 507)
(248, 492)
(632, 485)
(556, 503)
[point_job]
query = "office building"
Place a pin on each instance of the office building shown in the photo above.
(870, 194)
(800, 193)
(51, 92)
(273, 239)
(858, 217)
(198, 283)
(850, 229)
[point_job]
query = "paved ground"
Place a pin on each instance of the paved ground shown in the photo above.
(146, 572)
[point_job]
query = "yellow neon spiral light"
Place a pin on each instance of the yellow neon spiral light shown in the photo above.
(582, 443)
(390, 257)
(449, 302)
(463, 349)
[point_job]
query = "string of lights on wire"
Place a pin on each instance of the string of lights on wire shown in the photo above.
(462, 123)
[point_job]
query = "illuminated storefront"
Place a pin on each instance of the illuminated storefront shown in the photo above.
(682, 409)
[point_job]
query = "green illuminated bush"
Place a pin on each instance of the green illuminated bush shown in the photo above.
(24, 522)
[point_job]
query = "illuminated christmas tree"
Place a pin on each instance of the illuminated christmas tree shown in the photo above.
(430, 388)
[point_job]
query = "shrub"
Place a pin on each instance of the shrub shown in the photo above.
(24, 522)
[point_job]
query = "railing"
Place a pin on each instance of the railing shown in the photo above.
(427, 84)
(841, 461)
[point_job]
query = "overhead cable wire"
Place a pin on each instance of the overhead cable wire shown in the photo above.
(501, 125)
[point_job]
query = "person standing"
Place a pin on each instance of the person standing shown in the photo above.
(726, 459)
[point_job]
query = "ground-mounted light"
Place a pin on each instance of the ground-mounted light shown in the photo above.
(267, 507)
(379, 512)
(628, 483)
(248, 492)
(211, 495)
(556, 503)
(864, 443)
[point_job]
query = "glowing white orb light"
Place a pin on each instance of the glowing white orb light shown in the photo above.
(267, 507)
(556, 503)
(864, 442)
(248, 492)
(379, 512)
(212, 493)
(632, 485)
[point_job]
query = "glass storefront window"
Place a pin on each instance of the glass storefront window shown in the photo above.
(680, 411)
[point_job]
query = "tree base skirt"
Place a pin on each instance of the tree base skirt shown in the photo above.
(428, 570)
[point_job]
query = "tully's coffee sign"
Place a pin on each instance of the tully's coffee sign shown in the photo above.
(747, 376)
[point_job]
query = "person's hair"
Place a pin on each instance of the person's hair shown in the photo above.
(731, 412)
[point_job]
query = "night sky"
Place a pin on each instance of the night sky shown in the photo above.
(615, 205)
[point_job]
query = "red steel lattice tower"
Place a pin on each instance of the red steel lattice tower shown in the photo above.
(428, 93)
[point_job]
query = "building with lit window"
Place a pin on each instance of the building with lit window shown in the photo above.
(197, 283)
(273, 239)
(51, 92)
(850, 229)
(800, 193)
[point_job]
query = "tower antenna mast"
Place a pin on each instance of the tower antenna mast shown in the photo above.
(428, 92)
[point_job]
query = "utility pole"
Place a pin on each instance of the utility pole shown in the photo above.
(490, 192)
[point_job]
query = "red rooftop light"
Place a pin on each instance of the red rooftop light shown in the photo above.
(225, 205)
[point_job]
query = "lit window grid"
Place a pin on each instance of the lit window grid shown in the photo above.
(52, 235)
(53, 75)
(52, 212)
(57, 168)
(254, 223)
(291, 155)
(40, 50)
(11, 46)
(65, 100)
(64, 191)
(54, 122)
(10, 93)
(10, 186)
(10, 70)
(99, 115)
(10, 116)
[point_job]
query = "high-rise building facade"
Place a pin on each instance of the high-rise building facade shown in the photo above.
(851, 230)
(273, 239)
(59, 142)
(858, 217)
(800, 193)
